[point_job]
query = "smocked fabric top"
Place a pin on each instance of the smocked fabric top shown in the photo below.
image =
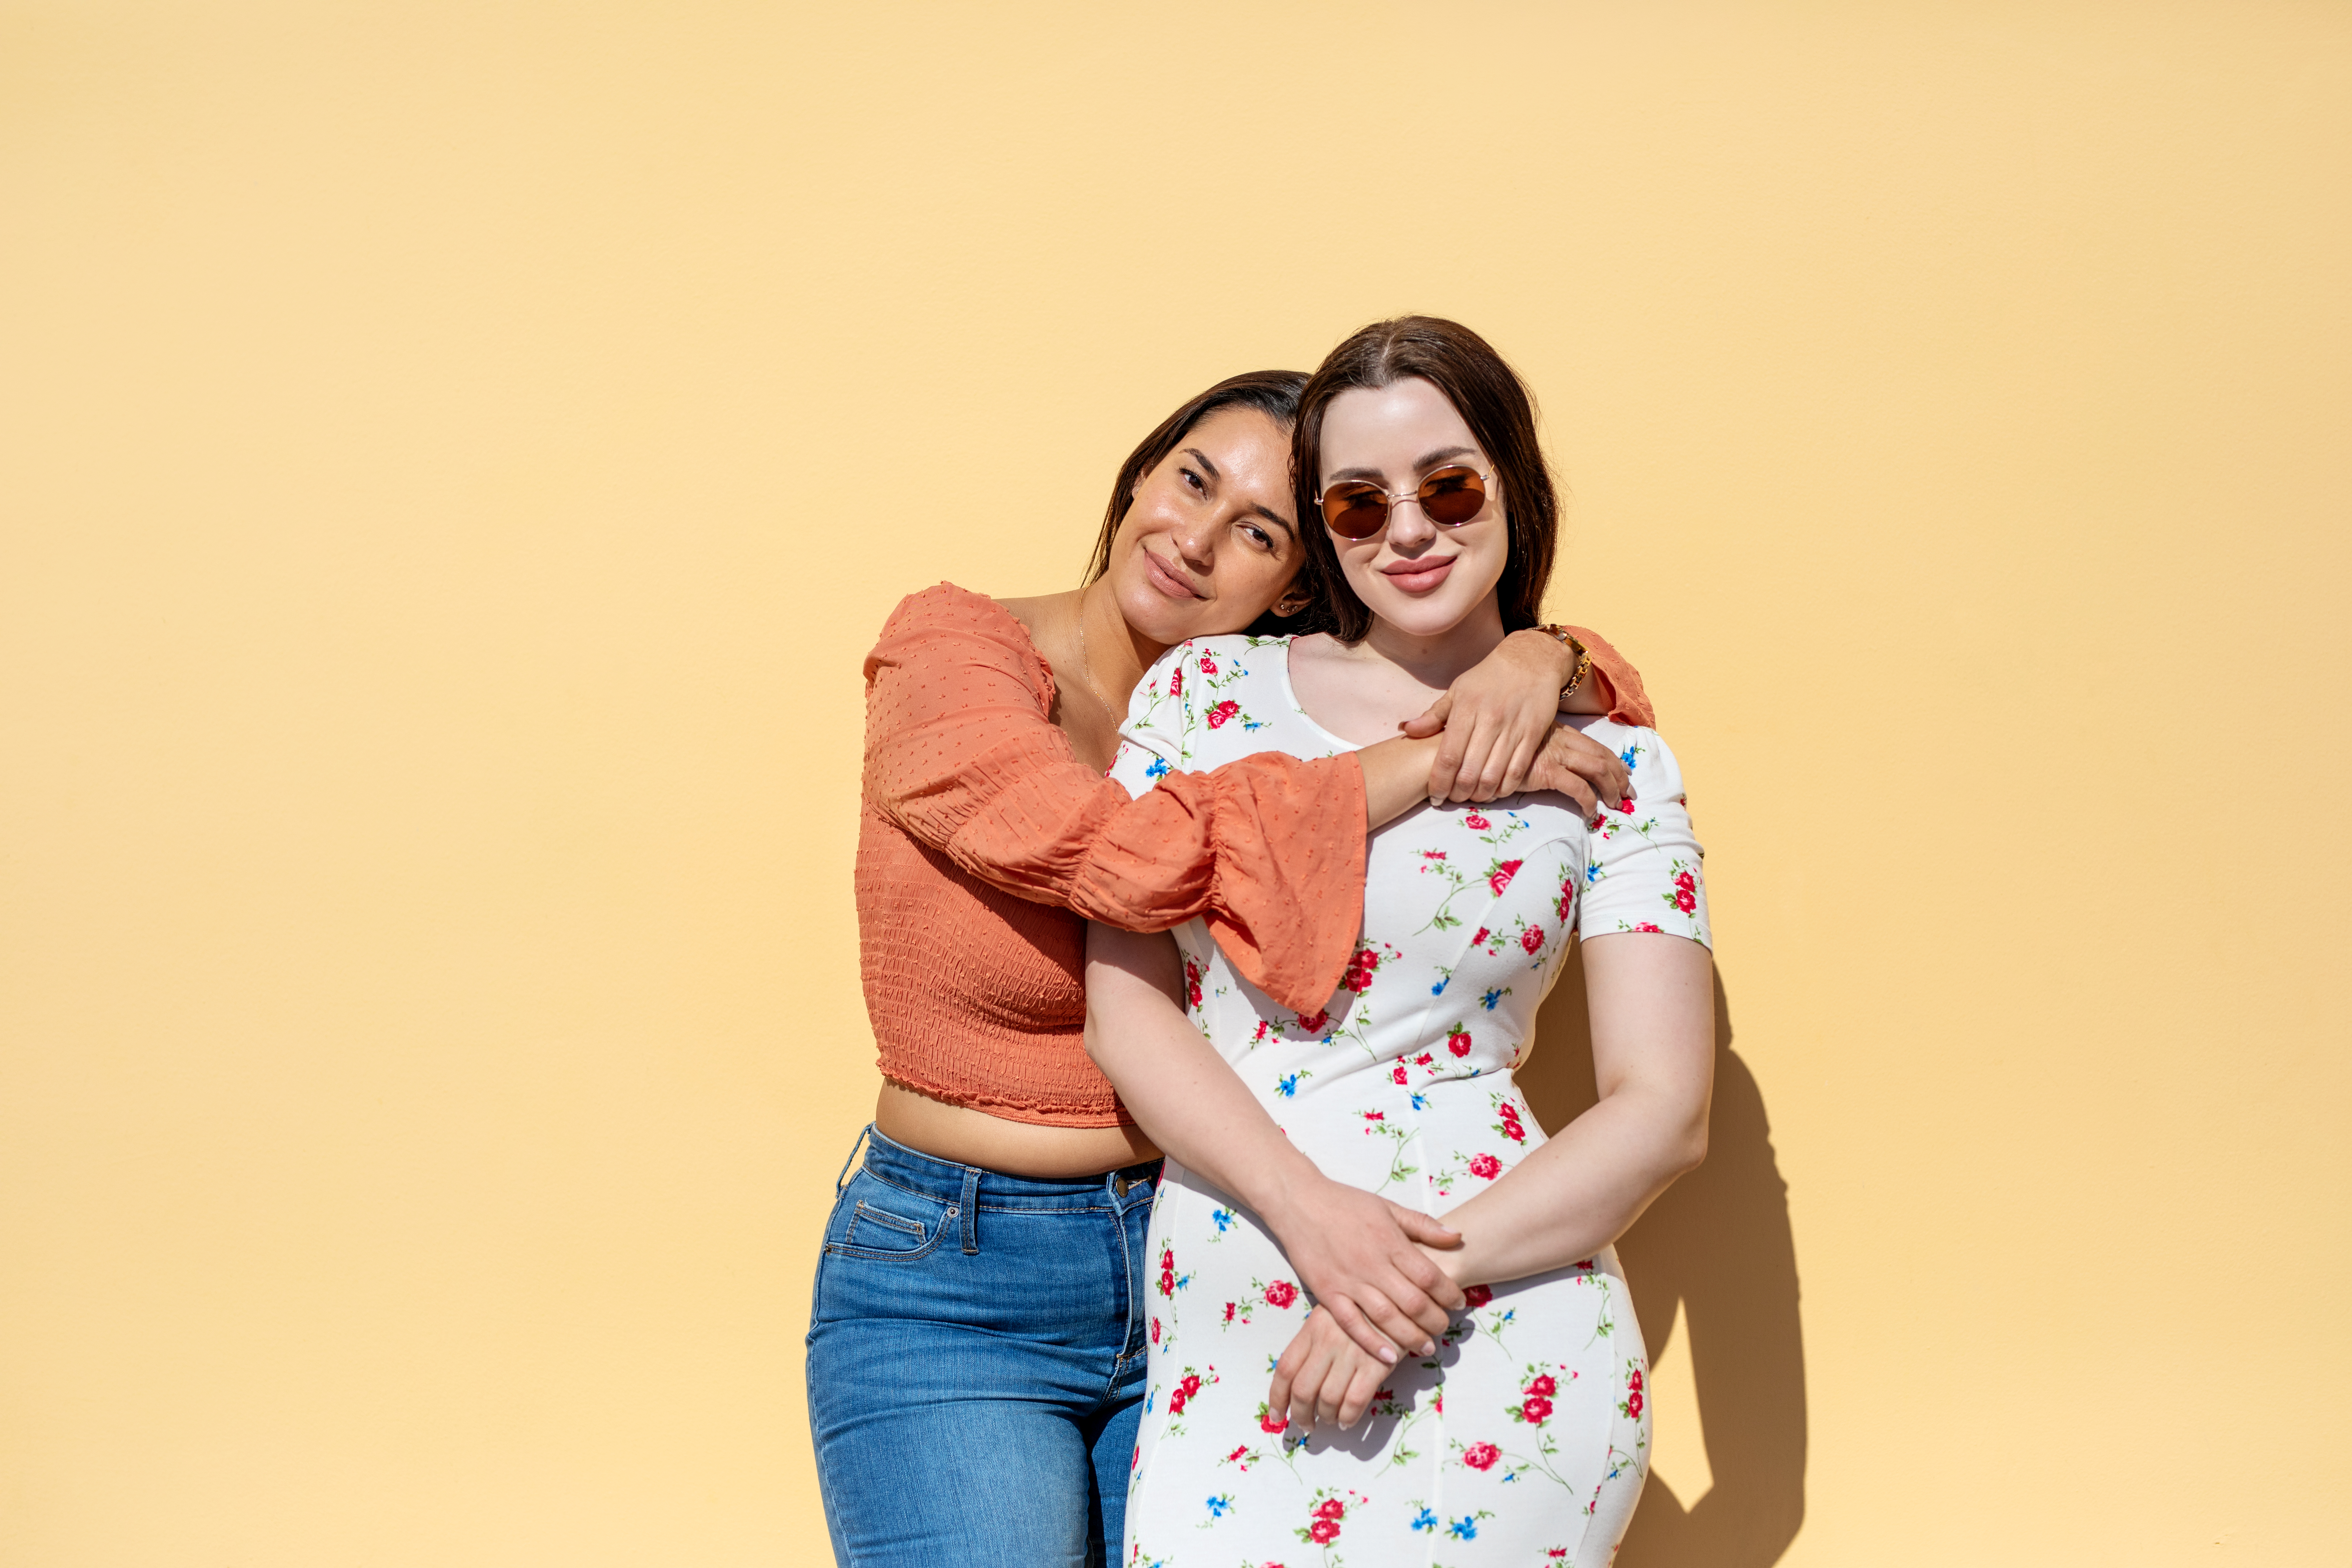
(984, 845)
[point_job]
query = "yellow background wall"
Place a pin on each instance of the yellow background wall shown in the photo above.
(452, 458)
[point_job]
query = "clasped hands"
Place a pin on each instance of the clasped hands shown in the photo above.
(1371, 1269)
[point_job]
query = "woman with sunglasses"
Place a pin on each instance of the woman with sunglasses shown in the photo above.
(976, 1348)
(1525, 1429)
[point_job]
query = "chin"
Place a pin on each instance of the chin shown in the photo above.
(1417, 617)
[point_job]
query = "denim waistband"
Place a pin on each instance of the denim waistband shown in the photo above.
(948, 1181)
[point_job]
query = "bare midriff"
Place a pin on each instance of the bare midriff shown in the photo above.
(964, 1136)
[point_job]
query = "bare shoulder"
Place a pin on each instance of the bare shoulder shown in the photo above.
(1042, 613)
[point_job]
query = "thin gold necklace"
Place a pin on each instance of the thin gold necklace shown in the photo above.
(1086, 665)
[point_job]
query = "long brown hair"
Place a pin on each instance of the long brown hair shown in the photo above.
(1273, 392)
(1492, 400)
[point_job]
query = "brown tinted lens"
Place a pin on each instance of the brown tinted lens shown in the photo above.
(1453, 496)
(1355, 510)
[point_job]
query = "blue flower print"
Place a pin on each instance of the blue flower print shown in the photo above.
(1627, 757)
(1218, 1505)
(1491, 997)
(1286, 1085)
(1157, 768)
(1225, 1218)
(1463, 1529)
(1593, 873)
(1424, 1519)
(1420, 1100)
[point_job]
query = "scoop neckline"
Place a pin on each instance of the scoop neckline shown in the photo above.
(1291, 693)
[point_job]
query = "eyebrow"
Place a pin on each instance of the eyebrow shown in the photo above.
(1427, 461)
(1271, 516)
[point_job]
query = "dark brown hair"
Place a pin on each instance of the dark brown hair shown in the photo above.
(1492, 400)
(1273, 392)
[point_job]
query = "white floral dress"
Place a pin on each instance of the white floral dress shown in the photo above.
(1524, 1440)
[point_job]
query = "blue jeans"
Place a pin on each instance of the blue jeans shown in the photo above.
(976, 1362)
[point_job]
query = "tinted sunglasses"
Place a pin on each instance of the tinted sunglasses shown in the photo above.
(1450, 497)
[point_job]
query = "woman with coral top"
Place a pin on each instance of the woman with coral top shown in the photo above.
(977, 1342)
(1524, 1436)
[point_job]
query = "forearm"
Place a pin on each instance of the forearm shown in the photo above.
(1577, 1193)
(1182, 1092)
(1653, 1013)
(1396, 777)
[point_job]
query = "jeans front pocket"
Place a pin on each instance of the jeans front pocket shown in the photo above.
(884, 1224)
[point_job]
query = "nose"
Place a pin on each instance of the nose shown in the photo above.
(1194, 541)
(1409, 526)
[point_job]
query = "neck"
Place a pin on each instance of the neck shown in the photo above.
(1116, 654)
(1439, 658)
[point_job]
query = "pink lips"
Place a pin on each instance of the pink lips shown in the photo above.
(1419, 576)
(1167, 581)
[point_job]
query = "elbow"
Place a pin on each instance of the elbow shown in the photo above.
(1690, 1148)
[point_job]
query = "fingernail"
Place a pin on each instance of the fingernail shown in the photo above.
(1388, 1355)
(1429, 1347)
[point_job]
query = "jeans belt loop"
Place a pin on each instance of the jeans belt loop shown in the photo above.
(864, 1134)
(972, 1211)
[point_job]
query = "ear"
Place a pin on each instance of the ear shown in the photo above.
(1293, 602)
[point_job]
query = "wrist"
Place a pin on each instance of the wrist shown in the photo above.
(1557, 656)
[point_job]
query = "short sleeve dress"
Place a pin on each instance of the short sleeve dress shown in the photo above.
(1524, 1438)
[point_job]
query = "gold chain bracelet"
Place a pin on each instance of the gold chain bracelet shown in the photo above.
(1583, 658)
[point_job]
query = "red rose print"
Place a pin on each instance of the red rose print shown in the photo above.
(1480, 939)
(1397, 1072)
(1477, 1294)
(1331, 1507)
(1268, 1421)
(1432, 854)
(1458, 1042)
(1515, 1132)
(1323, 1530)
(1481, 1456)
(1625, 806)
(1599, 817)
(1686, 900)
(1477, 821)
(1238, 1453)
(1634, 1382)
(1229, 1310)
(1532, 938)
(1359, 970)
(1486, 1166)
(1500, 876)
(1176, 681)
(1190, 1385)
(1281, 1293)
(1176, 1402)
(1155, 1331)
(1647, 926)
(1684, 880)
(1633, 1405)
(1208, 665)
(1375, 1115)
(1582, 1263)
(1536, 1408)
(1544, 1385)
(1314, 1022)
(1223, 711)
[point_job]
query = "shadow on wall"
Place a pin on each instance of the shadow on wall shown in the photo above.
(1719, 1244)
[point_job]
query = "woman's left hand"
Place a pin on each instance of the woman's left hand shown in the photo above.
(1495, 717)
(1324, 1377)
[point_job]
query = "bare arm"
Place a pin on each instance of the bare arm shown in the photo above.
(1355, 1252)
(1653, 1000)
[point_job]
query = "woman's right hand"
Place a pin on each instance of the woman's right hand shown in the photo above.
(1581, 768)
(1357, 1256)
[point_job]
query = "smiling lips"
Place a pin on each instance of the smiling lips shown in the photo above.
(1419, 576)
(1167, 580)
